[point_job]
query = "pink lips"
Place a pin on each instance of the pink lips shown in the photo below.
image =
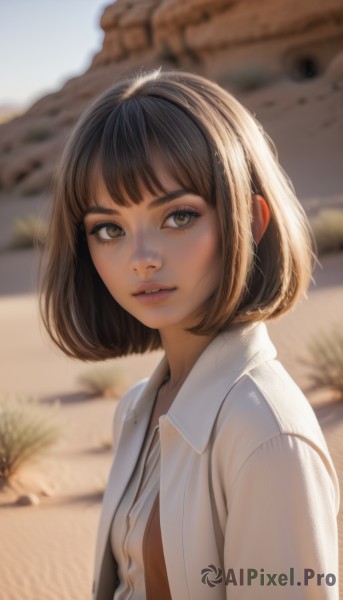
(151, 293)
(148, 287)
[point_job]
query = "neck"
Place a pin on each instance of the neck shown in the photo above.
(182, 351)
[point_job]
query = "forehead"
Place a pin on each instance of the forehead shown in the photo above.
(104, 203)
(163, 183)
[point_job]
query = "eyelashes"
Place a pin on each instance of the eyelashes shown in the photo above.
(103, 227)
(178, 220)
(182, 214)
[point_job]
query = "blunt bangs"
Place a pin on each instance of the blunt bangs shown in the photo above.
(124, 149)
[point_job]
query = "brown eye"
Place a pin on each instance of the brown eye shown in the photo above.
(107, 231)
(180, 219)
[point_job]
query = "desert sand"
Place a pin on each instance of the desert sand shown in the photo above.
(47, 550)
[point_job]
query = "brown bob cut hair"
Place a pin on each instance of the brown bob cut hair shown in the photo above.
(211, 145)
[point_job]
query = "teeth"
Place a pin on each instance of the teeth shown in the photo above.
(152, 291)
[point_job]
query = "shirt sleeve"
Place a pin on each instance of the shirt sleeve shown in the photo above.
(281, 536)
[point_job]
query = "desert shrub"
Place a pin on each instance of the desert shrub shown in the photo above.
(105, 381)
(327, 228)
(326, 360)
(36, 135)
(26, 430)
(27, 232)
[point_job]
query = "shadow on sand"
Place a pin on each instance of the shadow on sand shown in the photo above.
(70, 398)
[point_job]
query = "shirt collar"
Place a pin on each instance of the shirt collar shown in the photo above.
(229, 356)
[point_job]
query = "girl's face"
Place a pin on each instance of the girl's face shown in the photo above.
(158, 259)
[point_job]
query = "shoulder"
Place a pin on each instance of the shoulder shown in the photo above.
(128, 399)
(265, 404)
(124, 406)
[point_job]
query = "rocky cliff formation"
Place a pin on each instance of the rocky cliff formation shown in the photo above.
(243, 44)
(277, 36)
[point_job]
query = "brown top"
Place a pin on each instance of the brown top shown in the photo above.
(135, 533)
(156, 579)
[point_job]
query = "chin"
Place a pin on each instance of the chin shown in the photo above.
(170, 323)
(158, 323)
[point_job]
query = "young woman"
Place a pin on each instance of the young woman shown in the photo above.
(175, 227)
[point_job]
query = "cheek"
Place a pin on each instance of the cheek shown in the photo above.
(103, 265)
(206, 253)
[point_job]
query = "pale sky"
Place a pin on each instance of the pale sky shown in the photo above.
(43, 43)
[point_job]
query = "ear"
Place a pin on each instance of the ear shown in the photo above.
(261, 217)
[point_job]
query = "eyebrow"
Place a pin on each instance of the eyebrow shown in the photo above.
(101, 210)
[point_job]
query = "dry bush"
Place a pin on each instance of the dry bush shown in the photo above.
(327, 227)
(326, 362)
(28, 232)
(105, 381)
(26, 430)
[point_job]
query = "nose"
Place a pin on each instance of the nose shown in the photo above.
(145, 258)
